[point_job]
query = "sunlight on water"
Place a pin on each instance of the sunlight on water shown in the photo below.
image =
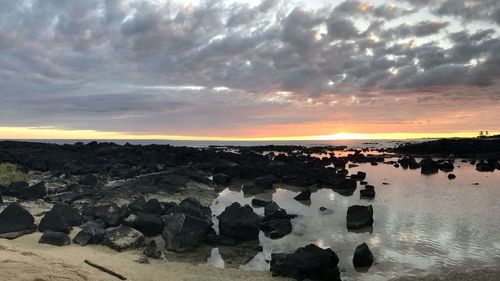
(423, 224)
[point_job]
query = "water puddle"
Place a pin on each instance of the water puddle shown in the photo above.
(423, 224)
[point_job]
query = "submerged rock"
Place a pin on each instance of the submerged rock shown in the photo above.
(123, 238)
(90, 234)
(239, 222)
(362, 256)
(55, 238)
(309, 262)
(359, 216)
(15, 221)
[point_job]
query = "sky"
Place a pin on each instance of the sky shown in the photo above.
(137, 69)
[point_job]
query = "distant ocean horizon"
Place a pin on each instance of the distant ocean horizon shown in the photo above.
(358, 143)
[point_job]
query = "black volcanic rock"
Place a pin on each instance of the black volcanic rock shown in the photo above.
(265, 182)
(54, 221)
(221, 178)
(69, 214)
(124, 238)
(34, 192)
(250, 189)
(359, 216)
(183, 232)
(259, 202)
(15, 221)
(363, 257)
(303, 196)
(152, 250)
(309, 262)
(55, 238)
(153, 206)
(239, 222)
(91, 233)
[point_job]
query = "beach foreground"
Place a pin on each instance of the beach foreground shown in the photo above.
(24, 259)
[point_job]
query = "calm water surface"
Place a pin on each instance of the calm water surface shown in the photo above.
(423, 224)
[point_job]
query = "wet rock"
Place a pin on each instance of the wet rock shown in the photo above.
(428, 166)
(265, 182)
(446, 166)
(363, 257)
(152, 250)
(123, 238)
(55, 238)
(359, 176)
(250, 189)
(276, 223)
(15, 221)
(34, 192)
(183, 232)
(91, 233)
(221, 178)
(309, 262)
(345, 187)
(149, 225)
(69, 214)
(451, 176)
(239, 222)
(153, 206)
(368, 192)
(408, 162)
(485, 166)
(273, 210)
(54, 221)
(259, 202)
(359, 216)
(219, 240)
(303, 196)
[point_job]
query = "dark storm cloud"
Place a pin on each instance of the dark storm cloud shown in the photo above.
(141, 62)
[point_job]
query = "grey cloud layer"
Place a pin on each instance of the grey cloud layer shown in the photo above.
(97, 58)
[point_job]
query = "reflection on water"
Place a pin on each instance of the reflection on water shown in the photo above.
(423, 224)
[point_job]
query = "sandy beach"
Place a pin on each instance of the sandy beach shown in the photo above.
(27, 260)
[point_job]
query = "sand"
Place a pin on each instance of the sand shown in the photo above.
(24, 259)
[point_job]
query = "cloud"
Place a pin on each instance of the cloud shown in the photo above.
(74, 64)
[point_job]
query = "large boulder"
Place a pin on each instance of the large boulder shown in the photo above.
(150, 225)
(69, 214)
(154, 207)
(239, 222)
(191, 206)
(112, 214)
(34, 192)
(91, 233)
(124, 238)
(183, 232)
(363, 257)
(359, 216)
(54, 238)
(54, 221)
(309, 262)
(15, 221)
(137, 205)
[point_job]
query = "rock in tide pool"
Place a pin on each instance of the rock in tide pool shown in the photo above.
(124, 238)
(15, 221)
(359, 216)
(239, 222)
(55, 238)
(183, 232)
(250, 189)
(259, 202)
(303, 196)
(309, 262)
(265, 182)
(363, 257)
(90, 234)
(451, 176)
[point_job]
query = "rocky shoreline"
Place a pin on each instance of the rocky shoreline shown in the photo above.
(155, 199)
